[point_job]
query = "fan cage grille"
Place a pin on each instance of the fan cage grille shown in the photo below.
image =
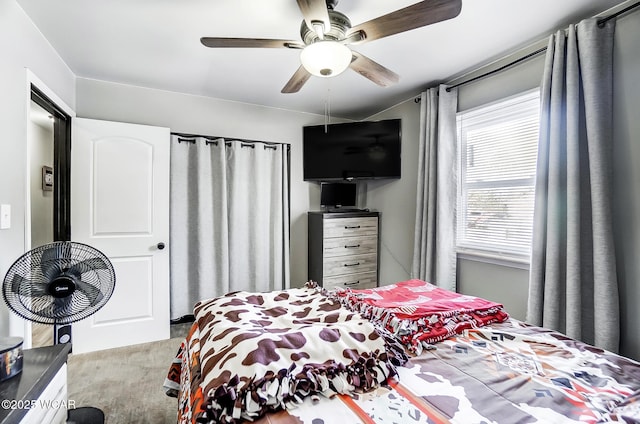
(27, 284)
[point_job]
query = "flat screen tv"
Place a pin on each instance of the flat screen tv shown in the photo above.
(338, 195)
(352, 151)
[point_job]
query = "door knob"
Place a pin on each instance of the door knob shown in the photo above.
(160, 246)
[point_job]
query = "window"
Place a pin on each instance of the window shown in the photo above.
(498, 146)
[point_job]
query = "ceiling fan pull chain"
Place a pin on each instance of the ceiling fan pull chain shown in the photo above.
(326, 115)
(327, 108)
(329, 103)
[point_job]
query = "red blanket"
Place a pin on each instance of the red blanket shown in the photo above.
(419, 313)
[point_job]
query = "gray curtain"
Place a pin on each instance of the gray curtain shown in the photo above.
(434, 253)
(573, 284)
(229, 218)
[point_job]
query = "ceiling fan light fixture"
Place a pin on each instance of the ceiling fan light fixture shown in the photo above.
(326, 58)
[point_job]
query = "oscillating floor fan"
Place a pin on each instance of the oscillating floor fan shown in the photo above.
(60, 283)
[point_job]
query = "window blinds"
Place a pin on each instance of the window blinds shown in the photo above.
(498, 149)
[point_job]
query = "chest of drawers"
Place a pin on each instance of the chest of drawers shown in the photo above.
(343, 249)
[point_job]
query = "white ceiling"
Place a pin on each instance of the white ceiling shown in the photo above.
(156, 44)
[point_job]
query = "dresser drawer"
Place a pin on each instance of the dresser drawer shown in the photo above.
(348, 227)
(350, 246)
(343, 249)
(367, 280)
(341, 265)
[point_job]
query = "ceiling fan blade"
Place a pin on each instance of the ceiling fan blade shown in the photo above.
(315, 13)
(249, 42)
(373, 70)
(424, 13)
(297, 81)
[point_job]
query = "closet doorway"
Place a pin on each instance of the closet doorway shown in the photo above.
(49, 200)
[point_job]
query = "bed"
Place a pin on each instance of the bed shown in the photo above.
(404, 353)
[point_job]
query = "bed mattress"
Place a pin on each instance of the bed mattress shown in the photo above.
(506, 372)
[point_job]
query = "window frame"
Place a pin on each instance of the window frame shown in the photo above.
(489, 252)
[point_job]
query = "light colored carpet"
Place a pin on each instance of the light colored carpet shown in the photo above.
(126, 383)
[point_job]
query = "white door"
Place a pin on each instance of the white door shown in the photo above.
(120, 205)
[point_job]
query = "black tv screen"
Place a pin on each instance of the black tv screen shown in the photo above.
(352, 151)
(337, 195)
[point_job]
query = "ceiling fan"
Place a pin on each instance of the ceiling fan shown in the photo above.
(326, 34)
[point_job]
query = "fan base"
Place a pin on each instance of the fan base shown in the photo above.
(85, 415)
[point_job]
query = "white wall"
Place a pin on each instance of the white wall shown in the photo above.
(396, 199)
(207, 116)
(21, 46)
(41, 154)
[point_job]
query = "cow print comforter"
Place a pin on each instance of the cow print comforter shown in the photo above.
(261, 352)
(507, 372)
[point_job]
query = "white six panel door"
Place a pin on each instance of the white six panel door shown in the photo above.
(120, 205)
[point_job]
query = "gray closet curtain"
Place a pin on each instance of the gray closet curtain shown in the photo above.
(434, 253)
(229, 218)
(573, 284)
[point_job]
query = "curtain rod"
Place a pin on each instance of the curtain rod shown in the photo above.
(242, 140)
(601, 23)
(500, 69)
(604, 20)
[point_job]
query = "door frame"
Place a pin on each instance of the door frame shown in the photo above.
(62, 113)
(61, 164)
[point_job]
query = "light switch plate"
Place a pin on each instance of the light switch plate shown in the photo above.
(5, 217)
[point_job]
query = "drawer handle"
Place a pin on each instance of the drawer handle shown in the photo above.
(353, 246)
(356, 264)
(352, 284)
(351, 227)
